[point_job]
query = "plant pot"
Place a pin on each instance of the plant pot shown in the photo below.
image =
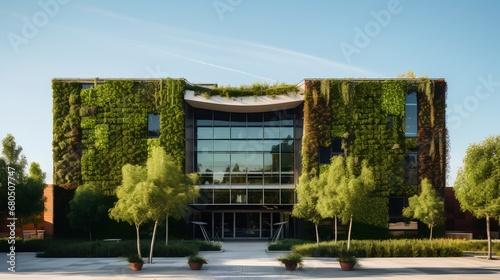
(135, 266)
(195, 265)
(290, 266)
(347, 265)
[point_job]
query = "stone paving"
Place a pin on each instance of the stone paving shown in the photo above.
(249, 260)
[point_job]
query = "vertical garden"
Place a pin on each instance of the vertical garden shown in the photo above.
(99, 128)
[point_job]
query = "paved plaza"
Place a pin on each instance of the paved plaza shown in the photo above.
(249, 260)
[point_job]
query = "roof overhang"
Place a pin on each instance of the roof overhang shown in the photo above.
(247, 104)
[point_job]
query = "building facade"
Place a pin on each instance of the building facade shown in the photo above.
(250, 144)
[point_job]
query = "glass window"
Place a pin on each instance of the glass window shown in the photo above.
(203, 117)
(255, 161)
(221, 196)
(238, 132)
(411, 114)
(239, 145)
(255, 133)
(204, 146)
(271, 162)
(271, 196)
(238, 162)
(222, 145)
(204, 132)
(238, 119)
(286, 133)
(286, 162)
(271, 132)
(287, 117)
(271, 146)
(87, 85)
(254, 145)
(205, 179)
(411, 168)
(153, 125)
(287, 179)
(238, 196)
(271, 179)
(238, 179)
(255, 196)
(206, 196)
(221, 118)
(221, 162)
(287, 196)
(205, 162)
(221, 178)
(255, 178)
(272, 118)
(254, 119)
(221, 133)
(287, 146)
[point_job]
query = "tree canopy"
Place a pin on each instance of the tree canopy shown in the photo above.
(477, 186)
(427, 207)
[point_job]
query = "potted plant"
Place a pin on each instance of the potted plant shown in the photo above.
(196, 262)
(135, 262)
(291, 261)
(347, 261)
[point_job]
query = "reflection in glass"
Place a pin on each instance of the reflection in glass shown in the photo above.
(255, 132)
(204, 132)
(255, 196)
(287, 196)
(221, 196)
(221, 133)
(271, 196)
(254, 119)
(238, 132)
(238, 196)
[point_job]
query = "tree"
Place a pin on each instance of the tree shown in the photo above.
(354, 190)
(308, 191)
(131, 206)
(477, 186)
(88, 208)
(171, 190)
(330, 204)
(427, 207)
(30, 202)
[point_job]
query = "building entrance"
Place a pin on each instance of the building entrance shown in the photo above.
(241, 225)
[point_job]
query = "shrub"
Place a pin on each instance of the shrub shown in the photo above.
(196, 259)
(285, 244)
(292, 258)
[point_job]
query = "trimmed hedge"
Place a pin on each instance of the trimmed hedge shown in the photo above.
(93, 249)
(285, 244)
(387, 248)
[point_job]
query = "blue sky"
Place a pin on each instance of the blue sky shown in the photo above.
(245, 41)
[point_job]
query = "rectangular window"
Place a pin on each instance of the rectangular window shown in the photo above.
(411, 115)
(411, 168)
(153, 125)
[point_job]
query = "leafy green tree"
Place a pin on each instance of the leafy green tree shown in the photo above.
(427, 207)
(477, 186)
(330, 204)
(131, 206)
(354, 191)
(170, 193)
(30, 202)
(89, 208)
(308, 192)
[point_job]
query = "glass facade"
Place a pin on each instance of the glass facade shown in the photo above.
(244, 158)
(411, 115)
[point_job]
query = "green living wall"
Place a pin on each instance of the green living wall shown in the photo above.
(369, 117)
(97, 130)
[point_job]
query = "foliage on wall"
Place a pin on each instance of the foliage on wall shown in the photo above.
(67, 134)
(256, 89)
(369, 116)
(432, 133)
(107, 127)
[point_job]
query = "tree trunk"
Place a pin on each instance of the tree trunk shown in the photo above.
(166, 229)
(335, 222)
(349, 235)
(317, 234)
(90, 235)
(430, 237)
(138, 237)
(490, 257)
(150, 260)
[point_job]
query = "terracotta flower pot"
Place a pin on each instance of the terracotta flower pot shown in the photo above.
(195, 265)
(347, 265)
(135, 266)
(290, 266)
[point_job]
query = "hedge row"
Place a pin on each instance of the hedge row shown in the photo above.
(394, 248)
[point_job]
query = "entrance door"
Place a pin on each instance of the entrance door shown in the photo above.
(247, 225)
